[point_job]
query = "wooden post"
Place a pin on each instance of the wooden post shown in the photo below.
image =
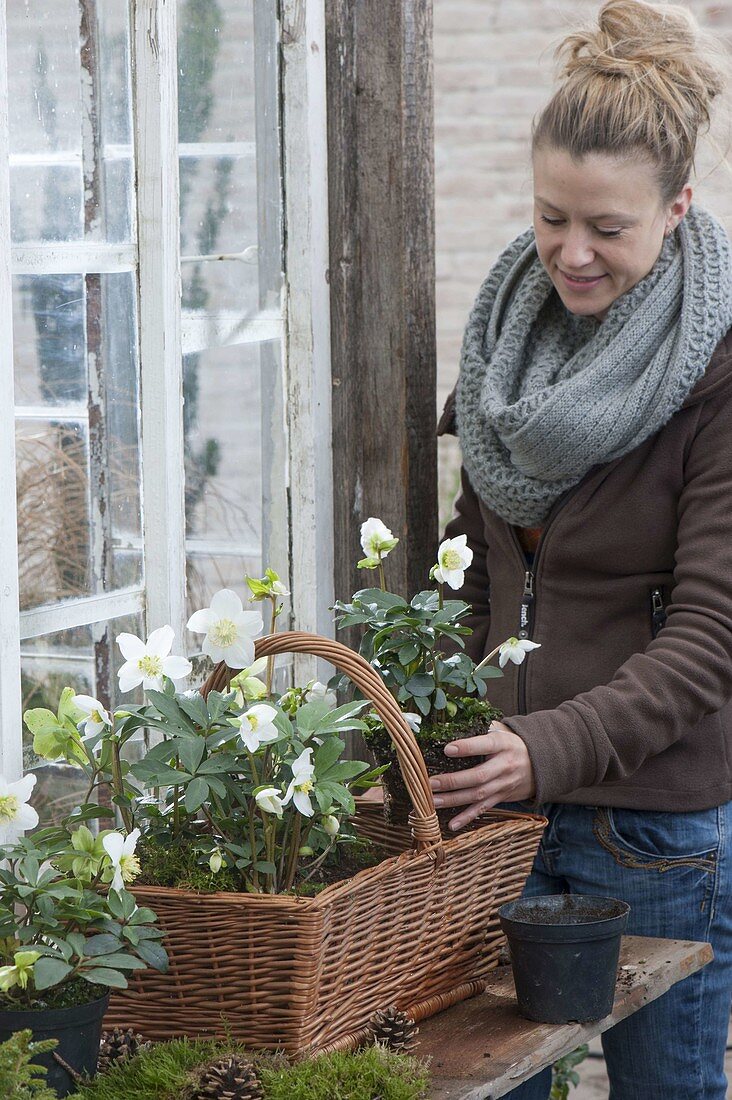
(381, 196)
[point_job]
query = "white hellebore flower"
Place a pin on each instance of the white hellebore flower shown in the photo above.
(453, 558)
(301, 783)
(147, 662)
(515, 650)
(331, 824)
(229, 629)
(257, 726)
(121, 851)
(376, 538)
(269, 799)
(316, 690)
(15, 813)
(96, 716)
(413, 720)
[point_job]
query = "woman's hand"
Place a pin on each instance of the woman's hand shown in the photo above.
(506, 776)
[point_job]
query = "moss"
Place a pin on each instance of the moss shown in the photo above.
(68, 995)
(168, 1070)
(176, 866)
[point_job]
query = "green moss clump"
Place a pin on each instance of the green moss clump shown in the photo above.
(168, 1070)
(177, 865)
(68, 995)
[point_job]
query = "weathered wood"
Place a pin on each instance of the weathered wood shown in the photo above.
(482, 1048)
(381, 196)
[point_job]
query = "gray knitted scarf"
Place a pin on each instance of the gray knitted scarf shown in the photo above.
(544, 394)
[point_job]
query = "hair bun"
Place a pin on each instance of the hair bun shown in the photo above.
(643, 41)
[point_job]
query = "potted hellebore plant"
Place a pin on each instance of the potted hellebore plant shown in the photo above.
(241, 792)
(442, 697)
(69, 929)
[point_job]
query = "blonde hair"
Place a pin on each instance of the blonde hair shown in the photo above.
(640, 83)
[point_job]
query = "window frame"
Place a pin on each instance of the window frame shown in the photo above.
(296, 436)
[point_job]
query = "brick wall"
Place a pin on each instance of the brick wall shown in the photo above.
(493, 71)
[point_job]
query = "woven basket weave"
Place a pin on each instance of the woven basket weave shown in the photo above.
(305, 974)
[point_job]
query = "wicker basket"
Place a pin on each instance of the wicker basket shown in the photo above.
(305, 974)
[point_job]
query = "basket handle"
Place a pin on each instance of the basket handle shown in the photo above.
(423, 818)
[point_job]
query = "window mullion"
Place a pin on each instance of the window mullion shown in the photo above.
(308, 317)
(155, 138)
(11, 737)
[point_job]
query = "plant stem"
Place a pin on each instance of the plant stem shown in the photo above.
(487, 659)
(440, 596)
(253, 766)
(118, 786)
(294, 847)
(320, 860)
(382, 581)
(270, 659)
(283, 849)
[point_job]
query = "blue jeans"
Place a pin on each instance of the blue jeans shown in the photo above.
(675, 871)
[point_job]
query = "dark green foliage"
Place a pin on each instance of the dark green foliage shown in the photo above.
(19, 1078)
(564, 1073)
(168, 1071)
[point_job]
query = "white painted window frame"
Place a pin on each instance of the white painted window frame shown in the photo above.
(300, 525)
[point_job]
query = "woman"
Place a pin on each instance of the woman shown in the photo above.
(594, 409)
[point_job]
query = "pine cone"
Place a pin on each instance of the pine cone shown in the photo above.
(117, 1046)
(394, 1029)
(231, 1078)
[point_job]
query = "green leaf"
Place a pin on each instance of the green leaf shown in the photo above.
(49, 971)
(154, 955)
(420, 685)
(407, 653)
(168, 706)
(143, 916)
(195, 707)
(327, 754)
(101, 944)
(119, 960)
(422, 704)
(197, 792)
(191, 753)
(487, 672)
(102, 975)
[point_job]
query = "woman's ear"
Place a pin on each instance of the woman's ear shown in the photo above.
(678, 209)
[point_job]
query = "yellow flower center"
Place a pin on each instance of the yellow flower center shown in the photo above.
(451, 559)
(150, 666)
(8, 808)
(223, 633)
(95, 716)
(252, 720)
(511, 641)
(305, 786)
(129, 868)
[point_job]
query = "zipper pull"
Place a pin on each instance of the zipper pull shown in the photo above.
(526, 602)
(659, 614)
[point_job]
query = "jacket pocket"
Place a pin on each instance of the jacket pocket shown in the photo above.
(658, 611)
(655, 835)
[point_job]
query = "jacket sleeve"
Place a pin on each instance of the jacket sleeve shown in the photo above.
(656, 696)
(476, 590)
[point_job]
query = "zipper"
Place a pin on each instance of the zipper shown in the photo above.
(527, 612)
(658, 612)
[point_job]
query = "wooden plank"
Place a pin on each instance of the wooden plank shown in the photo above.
(381, 193)
(482, 1048)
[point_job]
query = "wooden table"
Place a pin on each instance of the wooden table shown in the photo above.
(481, 1048)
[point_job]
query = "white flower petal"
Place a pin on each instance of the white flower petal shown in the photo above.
(239, 654)
(262, 713)
(128, 848)
(201, 621)
(455, 578)
(86, 703)
(177, 667)
(152, 683)
(131, 647)
(259, 666)
(26, 818)
(249, 622)
(303, 804)
(114, 844)
(160, 642)
(23, 788)
(129, 677)
(225, 604)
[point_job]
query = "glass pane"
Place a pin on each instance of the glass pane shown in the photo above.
(219, 215)
(87, 660)
(78, 435)
(223, 469)
(215, 71)
(54, 89)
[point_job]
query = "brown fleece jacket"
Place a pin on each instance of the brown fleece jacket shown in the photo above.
(628, 702)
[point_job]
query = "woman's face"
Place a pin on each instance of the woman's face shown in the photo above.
(600, 224)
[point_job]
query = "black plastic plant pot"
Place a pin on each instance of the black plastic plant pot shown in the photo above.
(78, 1031)
(564, 955)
